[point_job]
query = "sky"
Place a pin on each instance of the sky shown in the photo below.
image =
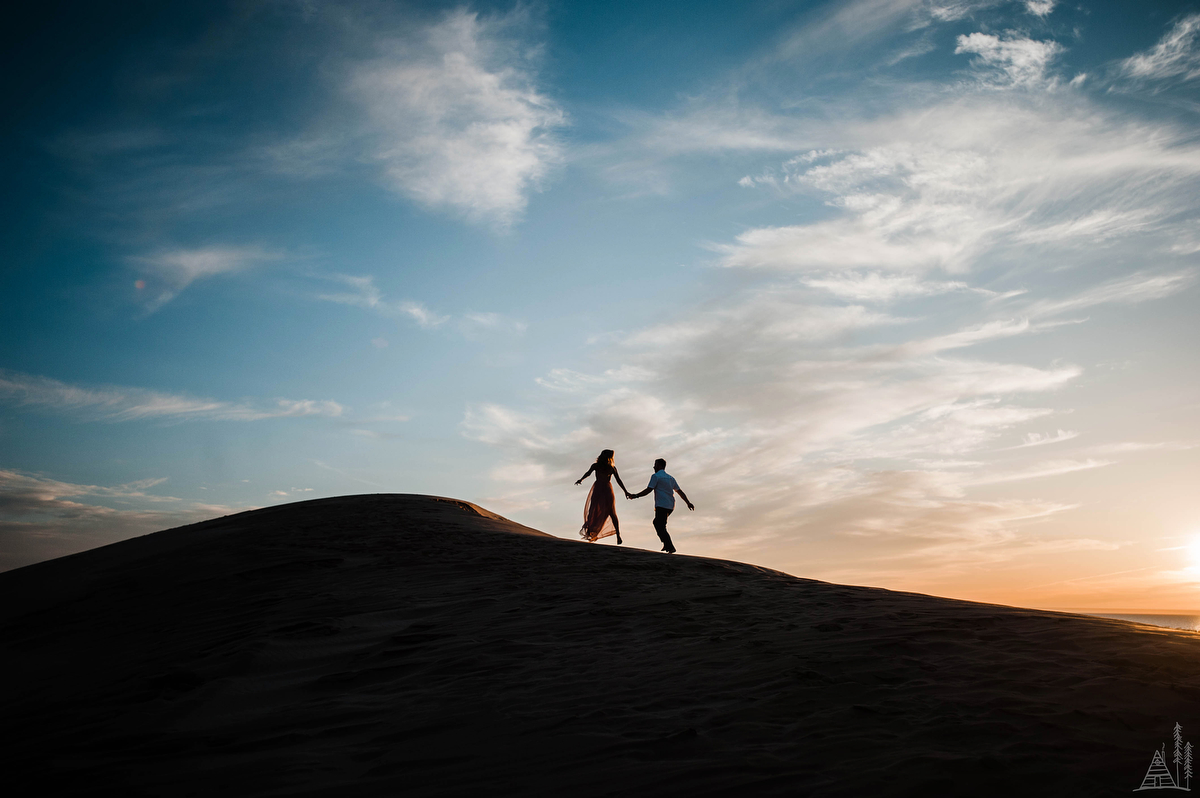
(903, 290)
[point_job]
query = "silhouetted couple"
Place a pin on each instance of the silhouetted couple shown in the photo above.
(600, 509)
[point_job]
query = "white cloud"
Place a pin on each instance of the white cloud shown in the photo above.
(988, 331)
(947, 187)
(842, 25)
(476, 325)
(456, 118)
(170, 271)
(1012, 60)
(1137, 287)
(952, 10)
(1095, 227)
(882, 288)
(1039, 8)
(1175, 56)
(364, 293)
(1050, 468)
(130, 404)
(1041, 439)
(1130, 447)
(423, 316)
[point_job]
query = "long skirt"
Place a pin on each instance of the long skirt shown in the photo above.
(599, 512)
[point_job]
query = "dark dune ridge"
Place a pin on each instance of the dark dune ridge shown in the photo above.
(410, 645)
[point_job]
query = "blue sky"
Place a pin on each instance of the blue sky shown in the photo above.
(902, 289)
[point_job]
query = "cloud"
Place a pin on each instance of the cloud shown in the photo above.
(1040, 8)
(168, 272)
(41, 518)
(840, 26)
(964, 182)
(1129, 447)
(988, 331)
(1094, 227)
(880, 288)
(491, 324)
(1174, 57)
(1135, 288)
(113, 403)
(1050, 468)
(1040, 439)
(455, 117)
(364, 293)
(954, 10)
(1012, 60)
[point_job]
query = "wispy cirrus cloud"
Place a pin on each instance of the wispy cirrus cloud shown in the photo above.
(168, 272)
(1175, 57)
(954, 10)
(113, 403)
(362, 292)
(878, 288)
(1131, 447)
(1132, 289)
(455, 118)
(1049, 468)
(1043, 439)
(956, 184)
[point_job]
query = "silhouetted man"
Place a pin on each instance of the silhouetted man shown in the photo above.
(665, 487)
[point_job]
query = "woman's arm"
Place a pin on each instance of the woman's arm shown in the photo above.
(585, 476)
(619, 482)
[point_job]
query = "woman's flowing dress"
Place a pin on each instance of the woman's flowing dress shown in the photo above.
(600, 509)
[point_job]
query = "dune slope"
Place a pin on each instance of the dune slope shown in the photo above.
(410, 645)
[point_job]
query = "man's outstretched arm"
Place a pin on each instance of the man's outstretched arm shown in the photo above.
(639, 495)
(679, 490)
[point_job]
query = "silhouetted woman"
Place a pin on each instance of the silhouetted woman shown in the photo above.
(600, 510)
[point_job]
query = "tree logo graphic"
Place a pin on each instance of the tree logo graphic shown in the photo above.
(1160, 777)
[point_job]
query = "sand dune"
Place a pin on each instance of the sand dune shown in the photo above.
(409, 645)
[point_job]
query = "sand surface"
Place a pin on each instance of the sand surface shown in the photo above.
(408, 645)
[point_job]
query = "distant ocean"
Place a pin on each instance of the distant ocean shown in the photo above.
(1168, 620)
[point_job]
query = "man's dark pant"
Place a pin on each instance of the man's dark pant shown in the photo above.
(660, 526)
